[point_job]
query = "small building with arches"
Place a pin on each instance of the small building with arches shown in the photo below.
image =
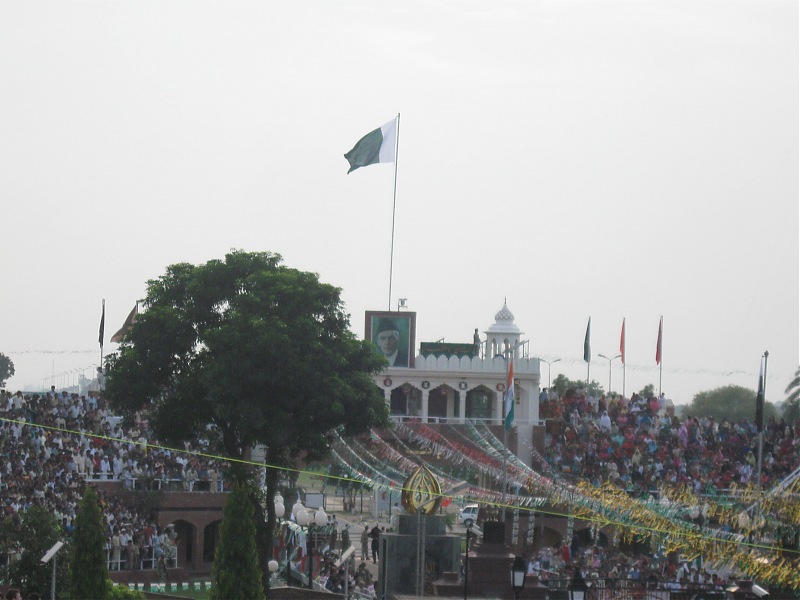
(455, 383)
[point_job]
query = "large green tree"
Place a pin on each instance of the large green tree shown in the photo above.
(6, 369)
(235, 572)
(562, 383)
(731, 402)
(32, 533)
(259, 353)
(791, 406)
(88, 572)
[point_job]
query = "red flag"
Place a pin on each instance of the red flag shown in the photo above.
(658, 343)
(622, 342)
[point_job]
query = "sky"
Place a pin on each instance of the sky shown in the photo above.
(575, 158)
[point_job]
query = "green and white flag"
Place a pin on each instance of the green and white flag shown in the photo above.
(377, 146)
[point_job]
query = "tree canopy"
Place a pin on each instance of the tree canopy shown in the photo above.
(260, 351)
(254, 353)
(235, 572)
(562, 383)
(731, 402)
(791, 407)
(88, 572)
(31, 533)
(6, 369)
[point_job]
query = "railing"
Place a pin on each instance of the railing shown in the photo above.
(146, 561)
(611, 588)
(167, 484)
(461, 420)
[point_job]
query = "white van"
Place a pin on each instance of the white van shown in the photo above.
(468, 515)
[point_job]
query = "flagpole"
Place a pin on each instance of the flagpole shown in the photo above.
(622, 351)
(623, 380)
(763, 400)
(394, 205)
(505, 443)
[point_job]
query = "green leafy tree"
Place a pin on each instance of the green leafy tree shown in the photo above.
(562, 383)
(88, 572)
(6, 369)
(731, 402)
(235, 572)
(258, 354)
(121, 592)
(791, 406)
(648, 391)
(34, 533)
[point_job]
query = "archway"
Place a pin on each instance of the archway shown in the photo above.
(439, 399)
(186, 537)
(479, 403)
(210, 539)
(406, 400)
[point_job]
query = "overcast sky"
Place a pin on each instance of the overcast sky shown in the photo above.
(612, 159)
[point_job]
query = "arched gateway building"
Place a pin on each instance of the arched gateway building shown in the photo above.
(454, 382)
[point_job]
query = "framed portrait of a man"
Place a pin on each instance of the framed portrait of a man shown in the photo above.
(393, 335)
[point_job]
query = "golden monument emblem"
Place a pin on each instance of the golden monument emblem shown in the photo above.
(421, 492)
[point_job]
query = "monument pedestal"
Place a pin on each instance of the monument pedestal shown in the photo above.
(400, 553)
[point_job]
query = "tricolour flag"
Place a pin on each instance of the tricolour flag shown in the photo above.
(760, 399)
(377, 146)
(127, 325)
(622, 342)
(103, 324)
(510, 396)
(658, 343)
(587, 347)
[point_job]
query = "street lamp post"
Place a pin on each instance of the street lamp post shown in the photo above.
(280, 510)
(518, 575)
(549, 363)
(610, 360)
(307, 520)
(466, 560)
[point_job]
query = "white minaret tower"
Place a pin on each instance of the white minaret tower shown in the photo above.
(503, 334)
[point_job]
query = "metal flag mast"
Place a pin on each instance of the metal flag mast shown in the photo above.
(760, 399)
(394, 205)
(622, 353)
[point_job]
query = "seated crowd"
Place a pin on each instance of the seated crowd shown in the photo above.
(637, 443)
(55, 443)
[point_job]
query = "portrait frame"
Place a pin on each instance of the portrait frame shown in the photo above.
(406, 325)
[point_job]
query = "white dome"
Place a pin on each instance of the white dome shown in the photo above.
(504, 322)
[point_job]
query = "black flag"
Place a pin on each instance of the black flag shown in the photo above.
(103, 324)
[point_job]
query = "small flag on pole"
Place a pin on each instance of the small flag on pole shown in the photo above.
(760, 399)
(127, 325)
(587, 348)
(103, 324)
(658, 343)
(377, 146)
(622, 342)
(510, 396)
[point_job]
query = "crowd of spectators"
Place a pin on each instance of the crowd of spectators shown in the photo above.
(639, 443)
(54, 444)
(605, 567)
